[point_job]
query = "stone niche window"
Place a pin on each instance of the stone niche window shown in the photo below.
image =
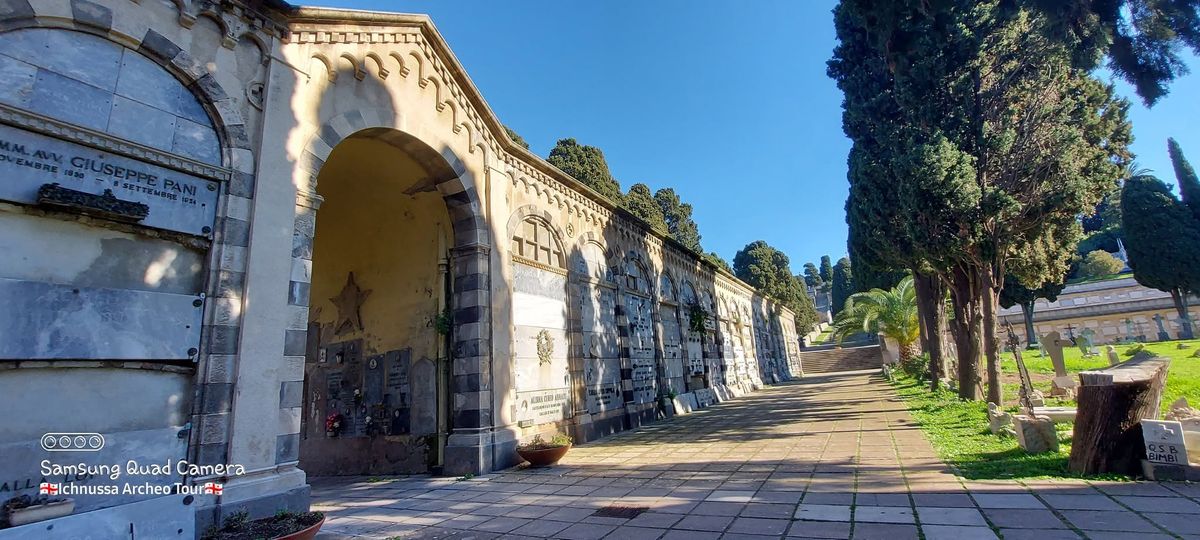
(92, 82)
(535, 242)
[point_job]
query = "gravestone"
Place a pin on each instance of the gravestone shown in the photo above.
(1085, 342)
(1113, 357)
(397, 390)
(1166, 451)
(1185, 327)
(373, 380)
(1062, 385)
(1162, 330)
(424, 397)
(1129, 335)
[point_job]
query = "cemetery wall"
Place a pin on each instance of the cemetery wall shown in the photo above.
(1116, 310)
(199, 313)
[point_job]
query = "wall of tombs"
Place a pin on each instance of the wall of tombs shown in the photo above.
(222, 299)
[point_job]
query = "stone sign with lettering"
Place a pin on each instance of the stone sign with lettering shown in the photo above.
(1164, 442)
(177, 201)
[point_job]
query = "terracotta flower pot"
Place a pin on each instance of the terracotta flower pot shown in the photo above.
(541, 457)
(307, 533)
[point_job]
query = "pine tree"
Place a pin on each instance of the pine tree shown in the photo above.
(1189, 185)
(1162, 239)
(826, 271)
(678, 216)
(843, 284)
(586, 164)
(641, 203)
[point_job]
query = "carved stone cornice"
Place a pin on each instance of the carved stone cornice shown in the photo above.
(103, 141)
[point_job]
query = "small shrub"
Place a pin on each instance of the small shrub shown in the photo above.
(1135, 349)
(1099, 263)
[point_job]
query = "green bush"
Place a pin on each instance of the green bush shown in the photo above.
(1099, 263)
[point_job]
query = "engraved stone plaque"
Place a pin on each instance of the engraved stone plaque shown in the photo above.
(178, 201)
(48, 321)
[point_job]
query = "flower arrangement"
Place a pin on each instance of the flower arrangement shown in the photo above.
(333, 424)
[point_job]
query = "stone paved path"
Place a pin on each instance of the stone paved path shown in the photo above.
(830, 457)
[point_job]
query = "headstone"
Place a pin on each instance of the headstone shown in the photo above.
(1129, 335)
(1164, 442)
(1063, 384)
(424, 397)
(1036, 434)
(1085, 342)
(1185, 327)
(998, 420)
(1113, 357)
(1162, 330)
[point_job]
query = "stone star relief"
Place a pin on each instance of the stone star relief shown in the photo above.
(348, 303)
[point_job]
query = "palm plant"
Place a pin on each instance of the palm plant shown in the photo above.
(892, 313)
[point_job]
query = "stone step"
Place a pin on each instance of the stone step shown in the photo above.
(845, 359)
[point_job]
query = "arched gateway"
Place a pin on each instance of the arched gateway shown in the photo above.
(297, 242)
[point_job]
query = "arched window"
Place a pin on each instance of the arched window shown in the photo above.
(534, 241)
(666, 289)
(108, 88)
(635, 276)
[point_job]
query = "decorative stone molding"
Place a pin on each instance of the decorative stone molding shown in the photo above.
(103, 141)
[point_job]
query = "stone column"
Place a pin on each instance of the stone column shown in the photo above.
(468, 449)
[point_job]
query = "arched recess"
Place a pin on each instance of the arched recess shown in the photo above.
(430, 303)
(542, 395)
(595, 288)
(640, 339)
(693, 339)
(671, 371)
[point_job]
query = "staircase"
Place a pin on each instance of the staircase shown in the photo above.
(840, 359)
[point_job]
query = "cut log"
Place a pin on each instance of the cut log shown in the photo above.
(1111, 404)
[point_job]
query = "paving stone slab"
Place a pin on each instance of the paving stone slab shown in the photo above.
(884, 531)
(957, 532)
(823, 512)
(1007, 500)
(1039, 534)
(1175, 505)
(883, 514)
(819, 529)
(951, 516)
(1018, 518)
(1097, 520)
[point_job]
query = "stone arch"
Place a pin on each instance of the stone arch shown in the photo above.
(532, 212)
(469, 266)
(637, 274)
(667, 290)
(221, 110)
(449, 174)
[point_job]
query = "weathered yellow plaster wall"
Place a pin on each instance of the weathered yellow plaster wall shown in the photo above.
(392, 242)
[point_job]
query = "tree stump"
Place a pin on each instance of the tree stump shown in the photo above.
(1111, 405)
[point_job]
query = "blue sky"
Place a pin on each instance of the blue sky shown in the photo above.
(727, 102)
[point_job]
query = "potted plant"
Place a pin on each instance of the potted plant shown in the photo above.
(25, 509)
(333, 424)
(284, 525)
(540, 453)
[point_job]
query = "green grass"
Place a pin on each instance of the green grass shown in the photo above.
(959, 429)
(1183, 379)
(959, 432)
(823, 338)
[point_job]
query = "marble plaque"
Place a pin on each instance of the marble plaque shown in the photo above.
(542, 406)
(373, 380)
(49, 321)
(396, 383)
(178, 201)
(1164, 442)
